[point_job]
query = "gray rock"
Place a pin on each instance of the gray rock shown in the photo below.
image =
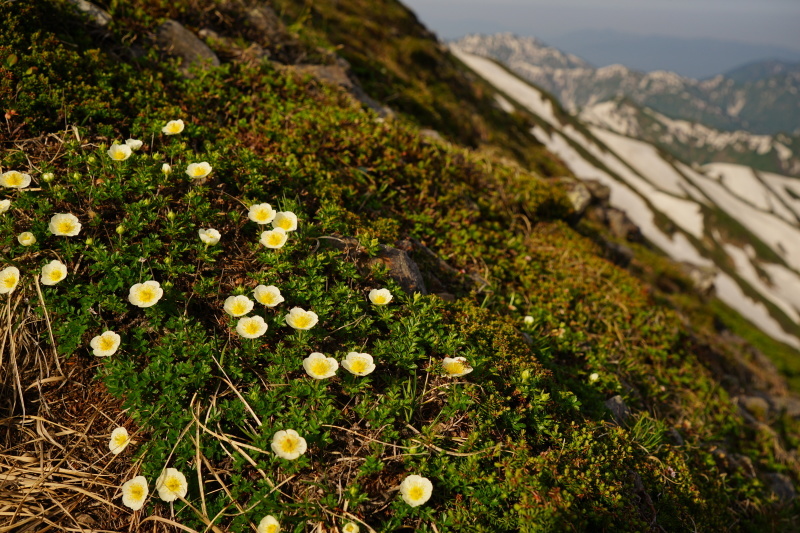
(788, 404)
(621, 226)
(179, 42)
(337, 76)
(601, 194)
(264, 19)
(757, 406)
(99, 16)
(702, 277)
(578, 194)
(618, 408)
(433, 135)
(401, 268)
(781, 486)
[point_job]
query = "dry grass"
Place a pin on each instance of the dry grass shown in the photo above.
(56, 472)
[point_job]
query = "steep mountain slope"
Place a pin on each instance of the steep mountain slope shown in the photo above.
(536, 385)
(762, 106)
(679, 208)
(692, 141)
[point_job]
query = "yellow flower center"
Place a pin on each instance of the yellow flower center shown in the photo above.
(137, 492)
(320, 367)
(416, 492)
(106, 343)
(14, 179)
(289, 444)
(238, 308)
(198, 171)
(380, 299)
(120, 440)
(302, 321)
(55, 275)
(146, 294)
(9, 281)
(358, 365)
(268, 298)
(454, 367)
(65, 226)
(275, 239)
(174, 127)
(173, 484)
(284, 223)
(272, 528)
(251, 327)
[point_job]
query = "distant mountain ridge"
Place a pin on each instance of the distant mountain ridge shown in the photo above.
(698, 58)
(758, 104)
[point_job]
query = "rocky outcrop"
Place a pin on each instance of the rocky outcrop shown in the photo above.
(177, 41)
(96, 14)
(414, 266)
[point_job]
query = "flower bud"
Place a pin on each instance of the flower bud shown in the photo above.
(47, 177)
(120, 229)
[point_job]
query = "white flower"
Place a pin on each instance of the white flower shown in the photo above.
(380, 296)
(251, 327)
(119, 440)
(238, 305)
(53, 272)
(416, 490)
(119, 152)
(9, 277)
(359, 364)
(300, 319)
(320, 367)
(64, 224)
(26, 238)
(15, 179)
(269, 524)
(133, 144)
(166, 169)
(528, 320)
(261, 213)
(5, 205)
(198, 170)
(288, 444)
(145, 294)
(210, 236)
(594, 376)
(350, 527)
(456, 367)
(105, 344)
(269, 295)
(134, 492)
(275, 238)
(286, 220)
(171, 485)
(173, 127)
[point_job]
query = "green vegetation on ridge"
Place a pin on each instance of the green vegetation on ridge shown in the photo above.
(523, 443)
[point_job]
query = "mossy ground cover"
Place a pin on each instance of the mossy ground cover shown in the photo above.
(522, 443)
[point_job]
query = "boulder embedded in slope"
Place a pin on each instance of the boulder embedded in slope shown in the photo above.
(179, 42)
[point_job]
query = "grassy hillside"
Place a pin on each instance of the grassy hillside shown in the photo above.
(550, 329)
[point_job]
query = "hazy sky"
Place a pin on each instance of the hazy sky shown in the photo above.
(775, 22)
